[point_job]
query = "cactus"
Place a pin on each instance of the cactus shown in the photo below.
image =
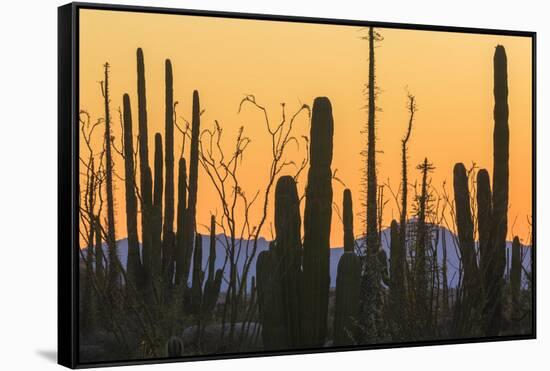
(168, 241)
(114, 264)
(189, 225)
(347, 211)
(182, 206)
(348, 283)
(484, 216)
(214, 279)
(174, 347)
(146, 182)
(515, 272)
(288, 253)
(271, 308)
(147, 235)
(492, 311)
(169, 152)
(156, 226)
(317, 220)
(445, 288)
(134, 261)
(196, 288)
(470, 299)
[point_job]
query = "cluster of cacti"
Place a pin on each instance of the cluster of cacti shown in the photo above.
(492, 222)
(293, 283)
(164, 253)
(167, 288)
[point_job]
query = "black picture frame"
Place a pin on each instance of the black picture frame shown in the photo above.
(68, 149)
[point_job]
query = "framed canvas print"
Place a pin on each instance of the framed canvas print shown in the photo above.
(235, 185)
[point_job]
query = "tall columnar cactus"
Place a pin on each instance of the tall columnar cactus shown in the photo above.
(444, 280)
(464, 223)
(156, 226)
(174, 347)
(147, 232)
(168, 226)
(134, 261)
(145, 171)
(484, 219)
(197, 276)
(515, 274)
(288, 254)
(348, 283)
(214, 279)
(114, 264)
(317, 221)
(347, 211)
(270, 306)
(493, 304)
(189, 226)
(182, 207)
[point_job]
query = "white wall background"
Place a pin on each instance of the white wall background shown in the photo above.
(28, 168)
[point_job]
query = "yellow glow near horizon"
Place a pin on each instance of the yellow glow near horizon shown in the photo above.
(450, 74)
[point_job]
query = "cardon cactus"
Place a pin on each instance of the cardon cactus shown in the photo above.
(189, 225)
(174, 347)
(214, 279)
(347, 211)
(464, 223)
(196, 285)
(146, 182)
(156, 226)
(515, 274)
(134, 261)
(168, 240)
(270, 306)
(492, 311)
(484, 216)
(182, 207)
(348, 283)
(317, 221)
(168, 226)
(288, 254)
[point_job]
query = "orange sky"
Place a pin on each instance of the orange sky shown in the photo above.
(450, 74)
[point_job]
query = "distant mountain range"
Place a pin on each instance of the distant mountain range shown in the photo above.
(335, 254)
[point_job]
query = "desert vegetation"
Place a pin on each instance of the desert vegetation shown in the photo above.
(174, 294)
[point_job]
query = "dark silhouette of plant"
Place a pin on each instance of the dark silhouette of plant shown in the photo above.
(134, 261)
(114, 274)
(190, 214)
(422, 302)
(371, 290)
(317, 220)
(492, 310)
(348, 283)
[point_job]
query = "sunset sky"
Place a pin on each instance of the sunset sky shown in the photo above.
(450, 74)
